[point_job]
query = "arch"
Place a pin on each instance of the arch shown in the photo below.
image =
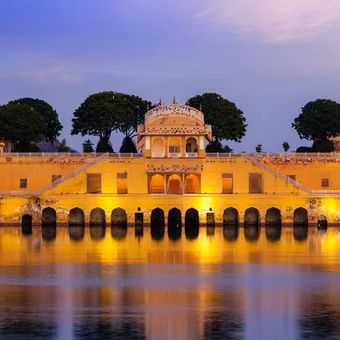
(76, 217)
(191, 145)
(230, 233)
(97, 217)
(119, 218)
(251, 217)
(157, 224)
(322, 221)
(273, 232)
(97, 232)
(191, 223)
(156, 184)
(273, 216)
(49, 217)
(300, 217)
(157, 147)
(252, 233)
(192, 184)
(230, 217)
(174, 224)
(174, 184)
(26, 224)
(76, 232)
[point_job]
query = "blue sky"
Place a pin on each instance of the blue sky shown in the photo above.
(269, 57)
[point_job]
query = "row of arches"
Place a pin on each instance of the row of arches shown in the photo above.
(174, 218)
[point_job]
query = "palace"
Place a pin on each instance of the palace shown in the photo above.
(172, 181)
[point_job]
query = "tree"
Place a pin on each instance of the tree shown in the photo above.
(102, 113)
(318, 121)
(216, 146)
(63, 147)
(285, 146)
(21, 124)
(227, 121)
(52, 126)
(258, 148)
(128, 146)
(88, 146)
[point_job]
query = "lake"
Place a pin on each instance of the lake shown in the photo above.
(239, 283)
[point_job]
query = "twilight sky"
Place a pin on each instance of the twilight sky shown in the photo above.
(270, 57)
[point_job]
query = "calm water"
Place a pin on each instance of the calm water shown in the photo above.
(223, 284)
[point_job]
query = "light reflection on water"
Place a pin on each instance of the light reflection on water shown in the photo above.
(96, 283)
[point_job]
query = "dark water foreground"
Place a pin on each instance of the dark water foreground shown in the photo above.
(236, 283)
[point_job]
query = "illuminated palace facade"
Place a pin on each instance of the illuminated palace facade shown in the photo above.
(172, 181)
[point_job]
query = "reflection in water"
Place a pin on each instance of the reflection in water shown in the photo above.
(210, 231)
(26, 229)
(230, 233)
(174, 232)
(157, 232)
(273, 232)
(300, 233)
(117, 285)
(76, 233)
(251, 233)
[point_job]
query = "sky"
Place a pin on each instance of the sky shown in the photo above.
(270, 57)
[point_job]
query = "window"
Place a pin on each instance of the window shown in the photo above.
(227, 184)
(255, 183)
(122, 183)
(174, 149)
(55, 177)
(94, 183)
(156, 184)
(23, 183)
(293, 177)
(324, 183)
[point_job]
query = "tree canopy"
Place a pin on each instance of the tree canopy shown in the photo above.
(21, 124)
(319, 120)
(102, 113)
(52, 126)
(226, 119)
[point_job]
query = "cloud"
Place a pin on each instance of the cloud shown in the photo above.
(273, 21)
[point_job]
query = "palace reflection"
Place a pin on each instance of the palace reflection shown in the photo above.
(96, 282)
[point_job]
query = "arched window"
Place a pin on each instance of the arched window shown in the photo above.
(156, 184)
(191, 146)
(174, 184)
(192, 184)
(157, 147)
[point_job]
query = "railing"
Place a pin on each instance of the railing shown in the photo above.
(335, 155)
(69, 154)
(191, 154)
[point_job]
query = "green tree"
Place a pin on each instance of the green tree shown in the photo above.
(318, 121)
(63, 147)
(102, 113)
(285, 146)
(52, 126)
(21, 124)
(216, 146)
(227, 121)
(258, 148)
(128, 146)
(88, 146)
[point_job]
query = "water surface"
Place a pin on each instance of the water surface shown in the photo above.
(235, 283)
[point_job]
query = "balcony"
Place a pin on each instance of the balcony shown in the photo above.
(191, 154)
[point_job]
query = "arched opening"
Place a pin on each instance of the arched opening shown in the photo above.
(97, 232)
(157, 147)
(49, 232)
(49, 217)
(230, 217)
(300, 233)
(251, 217)
(273, 216)
(97, 217)
(191, 223)
(252, 233)
(157, 224)
(119, 218)
(174, 224)
(230, 232)
(192, 184)
(322, 222)
(300, 217)
(76, 232)
(191, 146)
(273, 232)
(174, 184)
(156, 184)
(76, 217)
(26, 224)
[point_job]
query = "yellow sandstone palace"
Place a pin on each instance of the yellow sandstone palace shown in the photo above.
(173, 181)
